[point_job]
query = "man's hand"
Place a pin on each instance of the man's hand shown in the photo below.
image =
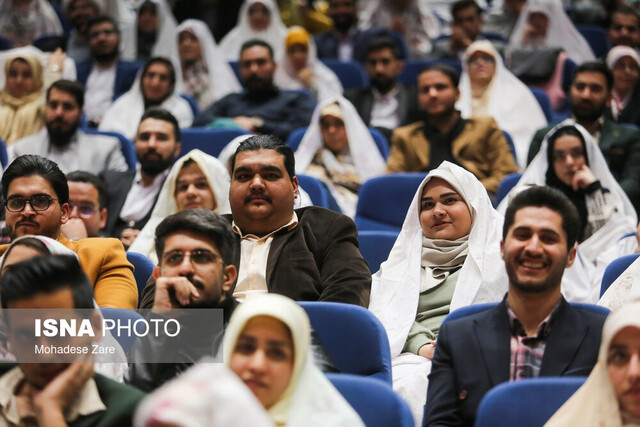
(55, 62)
(127, 237)
(74, 229)
(173, 292)
(459, 38)
(252, 124)
(427, 350)
(307, 77)
(583, 178)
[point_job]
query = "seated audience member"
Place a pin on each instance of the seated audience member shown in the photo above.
(195, 181)
(78, 13)
(338, 149)
(22, 22)
(206, 76)
(59, 393)
(258, 19)
(87, 206)
(534, 332)
(36, 198)
(104, 75)
(624, 289)
(388, 103)
(544, 24)
(131, 195)
(412, 19)
(203, 280)
(589, 95)
(446, 256)
(341, 42)
(62, 142)
(624, 63)
(155, 29)
(502, 19)
(476, 144)
(155, 87)
(310, 15)
(488, 89)
(624, 28)
(609, 396)
(301, 69)
(262, 107)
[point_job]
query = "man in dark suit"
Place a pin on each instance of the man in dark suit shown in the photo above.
(105, 76)
(340, 43)
(590, 95)
(131, 195)
(387, 104)
(533, 332)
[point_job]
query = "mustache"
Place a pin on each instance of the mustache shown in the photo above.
(26, 221)
(197, 283)
(257, 196)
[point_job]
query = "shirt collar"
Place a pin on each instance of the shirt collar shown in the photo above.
(159, 178)
(293, 222)
(517, 329)
(377, 95)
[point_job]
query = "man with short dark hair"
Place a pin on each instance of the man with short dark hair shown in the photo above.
(261, 108)
(87, 205)
(343, 40)
(590, 95)
(624, 28)
(59, 393)
(62, 141)
(476, 144)
(534, 332)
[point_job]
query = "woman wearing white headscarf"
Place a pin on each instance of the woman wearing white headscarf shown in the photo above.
(23, 22)
(308, 398)
(161, 38)
(253, 27)
(544, 23)
(609, 397)
(206, 75)
(343, 165)
(426, 278)
(624, 63)
(301, 69)
(167, 204)
(487, 88)
(624, 289)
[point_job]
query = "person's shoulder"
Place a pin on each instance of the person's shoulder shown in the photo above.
(540, 133)
(38, 138)
(405, 131)
(486, 123)
(94, 140)
(317, 216)
(295, 95)
(588, 314)
(98, 244)
(619, 131)
(115, 395)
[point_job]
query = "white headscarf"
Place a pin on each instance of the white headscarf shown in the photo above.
(327, 83)
(222, 80)
(595, 403)
(560, 33)
(165, 33)
(511, 103)
(68, 69)
(624, 289)
(46, 23)
(124, 114)
(274, 34)
(309, 399)
(218, 179)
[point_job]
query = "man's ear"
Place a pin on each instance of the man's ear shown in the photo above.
(230, 275)
(103, 217)
(65, 211)
(571, 256)
(502, 249)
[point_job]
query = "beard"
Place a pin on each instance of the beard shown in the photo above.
(154, 166)
(107, 56)
(344, 22)
(382, 83)
(259, 86)
(587, 112)
(60, 137)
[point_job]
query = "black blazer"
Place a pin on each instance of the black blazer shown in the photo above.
(473, 355)
(408, 111)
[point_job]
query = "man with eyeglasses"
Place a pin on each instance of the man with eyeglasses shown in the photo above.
(36, 201)
(105, 75)
(87, 205)
(624, 29)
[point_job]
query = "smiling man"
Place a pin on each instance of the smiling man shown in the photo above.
(533, 332)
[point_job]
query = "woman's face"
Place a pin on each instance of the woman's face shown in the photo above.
(625, 74)
(20, 79)
(334, 134)
(263, 358)
(482, 68)
(298, 56)
(188, 47)
(192, 190)
(538, 23)
(19, 253)
(259, 17)
(156, 82)
(568, 158)
(443, 212)
(623, 367)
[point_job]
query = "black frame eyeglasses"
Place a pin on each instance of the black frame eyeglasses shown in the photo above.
(38, 203)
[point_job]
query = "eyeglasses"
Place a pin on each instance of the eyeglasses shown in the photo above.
(38, 203)
(85, 211)
(199, 257)
(475, 60)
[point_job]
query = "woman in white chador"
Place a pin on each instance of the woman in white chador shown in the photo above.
(196, 180)
(161, 37)
(206, 75)
(339, 150)
(487, 88)
(447, 256)
(22, 22)
(258, 19)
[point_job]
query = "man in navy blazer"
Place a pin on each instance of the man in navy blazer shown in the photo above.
(533, 331)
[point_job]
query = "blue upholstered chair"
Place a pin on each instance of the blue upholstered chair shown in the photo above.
(295, 138)
(123, 315)
(412, 68)
(375, 246)
(543, 99)
(507, 183)
(615, 269)
(350, 73)
(143, 268)
(318, 192)
(210, 141)
(126, 146)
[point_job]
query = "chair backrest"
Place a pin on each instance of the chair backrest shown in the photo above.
(512, 147)
(383, 201)
(126, 146)
(211, 141)
(4, 157)
(142, 269)
(123, 315)
(596, 36)
(50, 43)
(354, 338)
(5, 43)
(544, 102)
(375, 246)
(295, 137)
(567, 74)
(507, 183)
(192, 103)
(350, 73)
(376, 403)
(318, 192)
(412, 68)
(615, 269)
(525, 403)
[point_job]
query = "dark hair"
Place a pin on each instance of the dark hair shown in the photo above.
(267, 142)
(73, 88)
(545, 197)
(90, 178)
(30, 242)
(625, 10)
(256, 42)
(100, 19)
(464, 4)
(164, 61)
(46, 274)
(444, 69)
(383, 42)
(160, 113)
(597, 67)
(203, 222)
(564, 131)
(32, 164)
